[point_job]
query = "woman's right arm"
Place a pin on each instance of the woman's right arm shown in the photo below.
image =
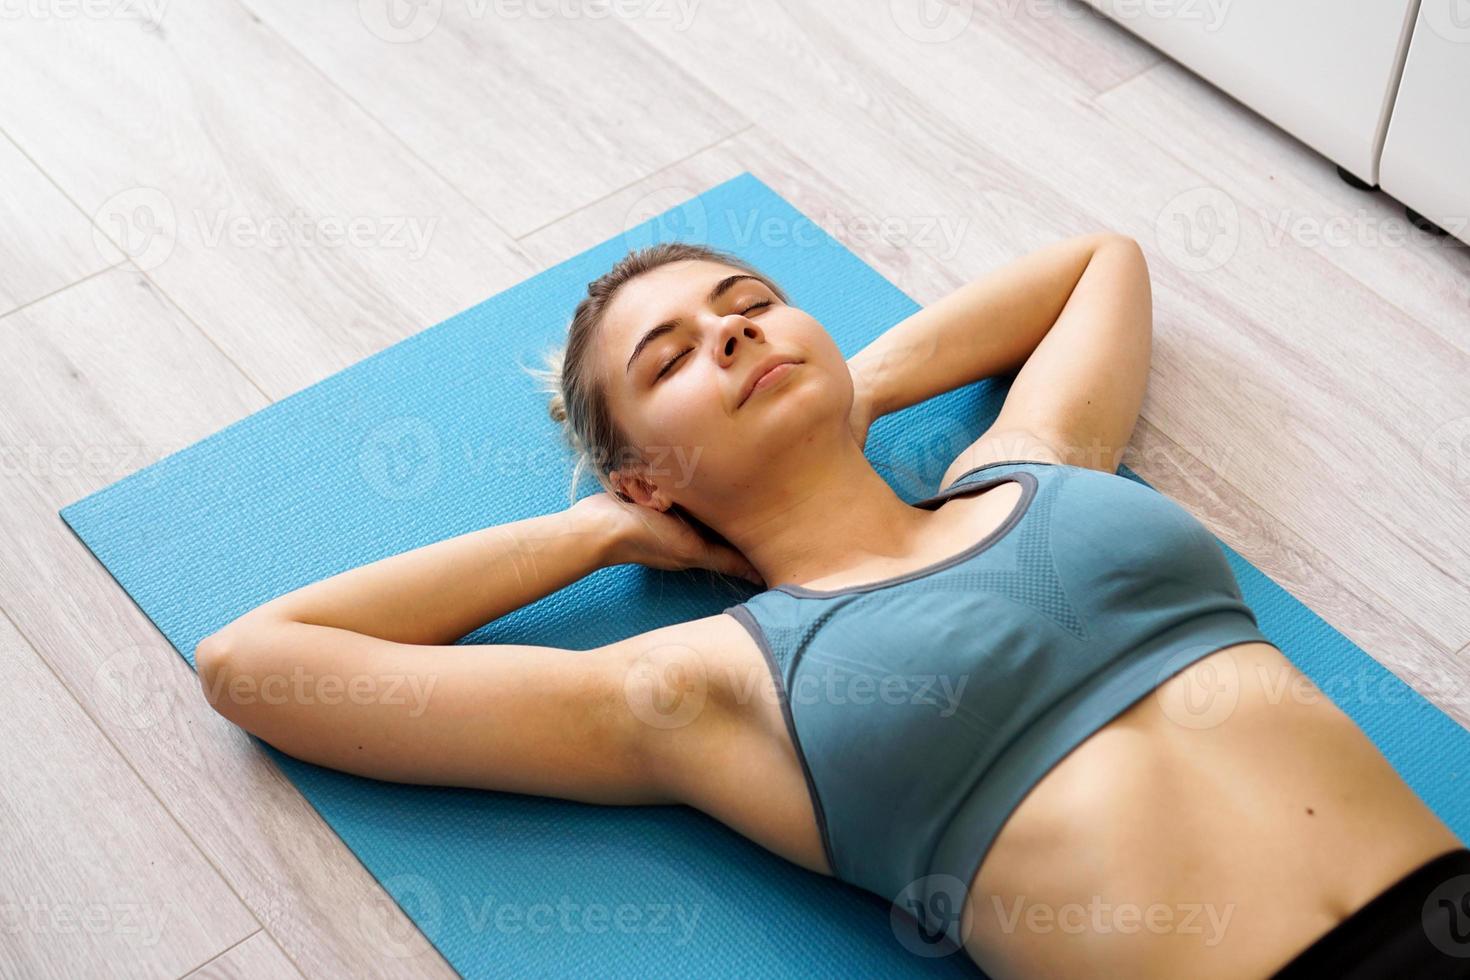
(346, 673)
(510, 717)
(442, 591)
(358, 673)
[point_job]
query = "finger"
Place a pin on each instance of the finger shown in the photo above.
(748, 572)
(734, 563)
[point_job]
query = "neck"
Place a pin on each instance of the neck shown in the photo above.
(817, 514)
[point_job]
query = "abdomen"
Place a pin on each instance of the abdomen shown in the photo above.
(1227, 823)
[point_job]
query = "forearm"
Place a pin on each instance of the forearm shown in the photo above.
(440, 592)
(984, 328)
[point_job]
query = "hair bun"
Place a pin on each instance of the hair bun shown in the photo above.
(557, 408)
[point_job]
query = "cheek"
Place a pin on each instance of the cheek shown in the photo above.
(680, 410)
(691, 404)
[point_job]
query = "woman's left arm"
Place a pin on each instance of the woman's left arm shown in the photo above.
(993, 325)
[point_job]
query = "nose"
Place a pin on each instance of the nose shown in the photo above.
(735, 329)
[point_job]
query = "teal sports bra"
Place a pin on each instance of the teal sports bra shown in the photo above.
(923, 707)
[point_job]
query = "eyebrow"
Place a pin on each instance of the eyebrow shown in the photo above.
(720, 289)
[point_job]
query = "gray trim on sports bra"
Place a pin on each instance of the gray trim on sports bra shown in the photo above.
(744, 618)
(1028, 493)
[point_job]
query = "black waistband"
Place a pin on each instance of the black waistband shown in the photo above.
(1417, 927)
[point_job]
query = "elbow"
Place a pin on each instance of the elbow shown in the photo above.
(231, 664)
(227, 663)
(1126, 256)
(1118, 240)
(213, 662)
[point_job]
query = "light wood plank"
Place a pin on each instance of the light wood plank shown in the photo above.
(99, 380)
(1291, 192)
(292, 227)
(45, 242)
(531, 109)
(1068, 39)
(908, 249)
(257, 958)
(99, 880)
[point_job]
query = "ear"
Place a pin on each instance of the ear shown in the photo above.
(638, 489)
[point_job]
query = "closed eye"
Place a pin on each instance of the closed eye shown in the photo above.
(669, 364)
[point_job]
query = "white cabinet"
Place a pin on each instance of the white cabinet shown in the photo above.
(1426, 157)
(1323, 70)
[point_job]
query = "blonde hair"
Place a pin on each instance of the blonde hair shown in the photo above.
(577, 392)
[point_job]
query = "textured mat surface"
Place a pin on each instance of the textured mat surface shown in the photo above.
(442, 434)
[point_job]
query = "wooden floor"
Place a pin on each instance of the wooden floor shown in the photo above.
(162, 186)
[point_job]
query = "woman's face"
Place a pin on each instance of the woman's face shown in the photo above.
(681, 346)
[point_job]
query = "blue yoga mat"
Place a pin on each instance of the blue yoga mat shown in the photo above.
(443, 434)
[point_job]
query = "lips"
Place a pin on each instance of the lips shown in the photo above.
(760, 371)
